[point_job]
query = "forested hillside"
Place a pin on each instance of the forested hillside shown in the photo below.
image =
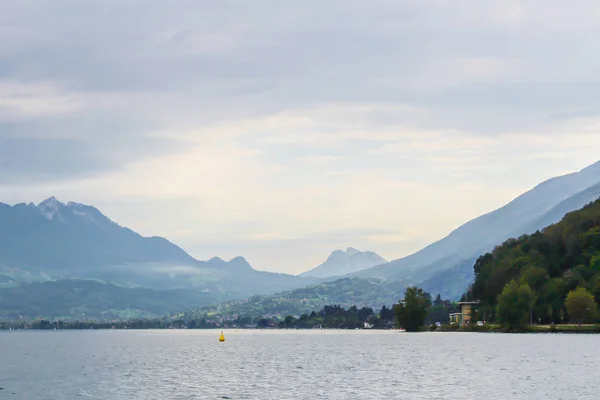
(553, 262)
(345, 292)
(70, 299)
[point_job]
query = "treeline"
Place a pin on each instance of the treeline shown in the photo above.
(333, 316)
(43, 324)
(544, 278)
(329, 317)
(340, 318)
(412, 313)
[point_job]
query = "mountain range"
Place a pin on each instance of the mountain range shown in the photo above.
(345, 262)
(446, 266)
(53, 241)
(561, 257)
(90, 265)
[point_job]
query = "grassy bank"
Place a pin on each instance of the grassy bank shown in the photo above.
(589, 328)
(567, 328)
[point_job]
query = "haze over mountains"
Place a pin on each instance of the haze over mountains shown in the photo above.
(53, 241)
(446, 266)
(345, 262)
(72, 238)
(57, 249)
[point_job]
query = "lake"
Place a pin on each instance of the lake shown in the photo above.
(296, 365)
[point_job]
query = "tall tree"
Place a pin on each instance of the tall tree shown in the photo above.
(386, 313)
(515, 304)
(411, 312)
(364, 313)
(437, 313)
(581, 305)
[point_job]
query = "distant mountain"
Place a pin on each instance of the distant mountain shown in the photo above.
(53, 240)
(547, 203)
(345, 262)
(575, 202)
(64, 238)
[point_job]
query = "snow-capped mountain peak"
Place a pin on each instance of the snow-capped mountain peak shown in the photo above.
(50, 208)
(54, 210)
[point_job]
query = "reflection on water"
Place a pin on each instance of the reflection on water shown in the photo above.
(296, 365)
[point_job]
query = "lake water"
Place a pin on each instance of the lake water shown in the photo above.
(296, 365)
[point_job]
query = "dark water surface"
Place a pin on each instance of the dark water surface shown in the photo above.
(296, 365)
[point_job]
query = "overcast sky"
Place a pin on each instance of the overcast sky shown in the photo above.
(282, 130)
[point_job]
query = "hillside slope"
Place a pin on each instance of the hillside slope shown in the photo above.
(544, 204)
(573, 203)
(83, 299)
(345, 292)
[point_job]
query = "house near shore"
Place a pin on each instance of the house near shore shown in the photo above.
(464, 317)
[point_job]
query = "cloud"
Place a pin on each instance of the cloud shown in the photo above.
(43, 140)
(21, 101)
(278, 131)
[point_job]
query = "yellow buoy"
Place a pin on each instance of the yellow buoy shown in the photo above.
(222, 337)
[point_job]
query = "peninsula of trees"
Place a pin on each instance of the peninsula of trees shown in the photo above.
(548, 277)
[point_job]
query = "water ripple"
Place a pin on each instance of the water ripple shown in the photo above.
(278, 365)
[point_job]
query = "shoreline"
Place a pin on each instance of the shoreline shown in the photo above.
(533, 329)
(492, 328)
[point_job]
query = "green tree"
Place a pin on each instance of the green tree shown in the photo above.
(595, 262)
(534, 276)
(514, 304)
(581, 305)
(386, 313)
(411, 312)
(437, 314)
(365, 313)
(289, 321)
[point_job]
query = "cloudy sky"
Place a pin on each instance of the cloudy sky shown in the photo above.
(281, 131)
